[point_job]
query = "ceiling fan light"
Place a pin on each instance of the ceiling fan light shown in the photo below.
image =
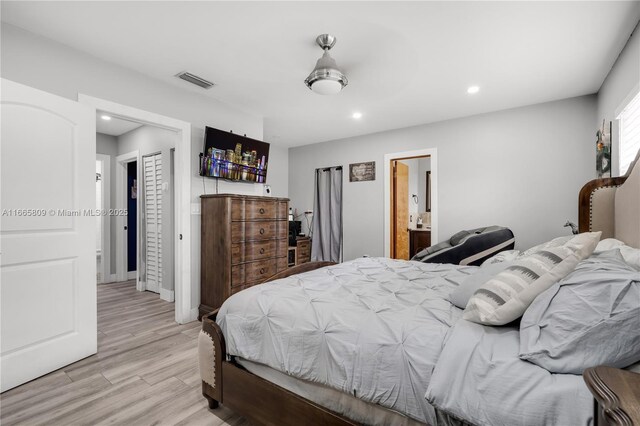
(326, 87)
(326, 78)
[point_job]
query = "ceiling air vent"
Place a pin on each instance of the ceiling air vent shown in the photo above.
(194, 79)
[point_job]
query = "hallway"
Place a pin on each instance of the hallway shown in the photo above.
(145, 372)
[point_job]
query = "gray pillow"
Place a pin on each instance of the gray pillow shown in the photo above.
(461, 295)
(590, 318)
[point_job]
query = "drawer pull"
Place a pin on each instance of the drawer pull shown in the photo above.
(261, 231)
(261, 210)
(261, 271)
(262, 250)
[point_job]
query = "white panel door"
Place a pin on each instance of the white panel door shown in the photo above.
(153, 220)
(47, 233)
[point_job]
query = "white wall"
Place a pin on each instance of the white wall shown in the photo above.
(55, 68)
(621, 84)
(520, 168)
(424, 165)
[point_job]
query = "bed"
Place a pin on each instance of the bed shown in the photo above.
(376, 341)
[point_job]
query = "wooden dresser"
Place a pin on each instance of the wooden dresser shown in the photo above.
(244, 240)
(616, 395)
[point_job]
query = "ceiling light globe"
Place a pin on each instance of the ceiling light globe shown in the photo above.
(326, 87)
(473, 89)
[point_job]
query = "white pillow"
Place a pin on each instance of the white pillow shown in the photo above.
(556, 242)
(608, 244)
(503, 256)
(508, 255)
(505, 297)
(630, 255)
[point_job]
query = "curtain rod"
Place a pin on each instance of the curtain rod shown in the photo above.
(329, 168)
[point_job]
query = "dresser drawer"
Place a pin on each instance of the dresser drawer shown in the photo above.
(254, 209)
(254, 272)
(246, 252)
(282, 210)
(258, 230)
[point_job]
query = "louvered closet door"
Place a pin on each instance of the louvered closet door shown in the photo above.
(153, 225)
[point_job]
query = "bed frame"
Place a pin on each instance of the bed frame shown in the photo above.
(604, 204)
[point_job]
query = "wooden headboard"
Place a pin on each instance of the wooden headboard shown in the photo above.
(612, 205)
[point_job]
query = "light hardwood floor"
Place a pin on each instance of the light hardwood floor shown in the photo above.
(145, 372)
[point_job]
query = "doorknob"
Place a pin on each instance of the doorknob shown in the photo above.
(125, 227)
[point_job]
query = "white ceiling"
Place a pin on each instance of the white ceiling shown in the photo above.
(114, 127)
(408, 63)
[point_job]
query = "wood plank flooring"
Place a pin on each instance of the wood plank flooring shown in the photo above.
(145, 372)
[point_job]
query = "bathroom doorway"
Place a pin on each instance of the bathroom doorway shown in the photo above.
(410, 203)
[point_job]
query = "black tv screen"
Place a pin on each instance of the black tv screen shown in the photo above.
(234, 157)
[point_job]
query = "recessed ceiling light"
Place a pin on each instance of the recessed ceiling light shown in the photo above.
(105, 117)
(473, 89)
(357, 115)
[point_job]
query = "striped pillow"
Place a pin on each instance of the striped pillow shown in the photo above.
(505, 297)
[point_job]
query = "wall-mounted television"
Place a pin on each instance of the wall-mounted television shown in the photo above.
(233, 157)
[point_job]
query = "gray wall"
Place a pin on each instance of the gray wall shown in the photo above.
(618, 89)
(108, 145)
(55, 68)
(151, 140)
(520, 168)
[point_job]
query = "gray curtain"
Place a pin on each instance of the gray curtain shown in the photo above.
(327, 215)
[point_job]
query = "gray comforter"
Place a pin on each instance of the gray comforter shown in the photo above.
(384, 331)
(371, 327)
(480, 379)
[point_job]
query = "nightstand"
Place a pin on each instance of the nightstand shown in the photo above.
(617, 395)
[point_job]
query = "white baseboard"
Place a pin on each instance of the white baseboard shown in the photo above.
(167, 295)
(131, 275)
(112, 278)
(193, 315)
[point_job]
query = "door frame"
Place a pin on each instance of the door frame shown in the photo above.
(105, 238)
(122, 235)
(431, 152)
(184, 313)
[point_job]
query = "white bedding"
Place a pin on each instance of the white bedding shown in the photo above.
(371, 327)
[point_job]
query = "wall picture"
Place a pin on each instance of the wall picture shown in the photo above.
(603, 151)
(360, 172)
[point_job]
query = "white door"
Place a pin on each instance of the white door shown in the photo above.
(153, 220)
(47, 233)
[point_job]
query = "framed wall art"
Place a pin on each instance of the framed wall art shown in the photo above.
(603, 151)
(361, 172)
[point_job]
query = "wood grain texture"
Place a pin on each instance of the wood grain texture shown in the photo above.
(299, 269)
(400, 190)
(145, 372)
(584, 199)
(617, 395)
